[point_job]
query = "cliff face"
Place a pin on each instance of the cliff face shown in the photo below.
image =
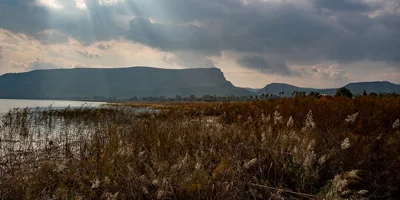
(116, 82)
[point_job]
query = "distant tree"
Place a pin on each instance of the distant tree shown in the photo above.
(365, 93)
(192, 98)
(344, 91)
(373, 94)
(161, 98)
(299, 94)
(208, 98)
(266, 93)
(315, 94)
(382, 94)
(178, 98)
(394, 94)
(133, 98)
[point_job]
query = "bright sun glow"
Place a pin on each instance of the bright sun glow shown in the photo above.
(50, 4)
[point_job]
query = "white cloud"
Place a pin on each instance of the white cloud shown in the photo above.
(81, 4)
(1, 56)
(331, 73)
(18, 66)
(109, 2)
(22, 53)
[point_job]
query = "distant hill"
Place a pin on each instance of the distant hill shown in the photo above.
(276, 88)
(356, 88)
(377, 87)
(116, 82)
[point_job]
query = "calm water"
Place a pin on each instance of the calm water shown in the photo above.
(7, 104)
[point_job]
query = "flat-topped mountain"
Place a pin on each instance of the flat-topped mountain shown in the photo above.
(116, 82)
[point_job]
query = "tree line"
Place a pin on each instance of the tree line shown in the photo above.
(340, 92)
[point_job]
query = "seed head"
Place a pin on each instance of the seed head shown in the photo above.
(310, 124)
(142, 154)
(95, 183)
(156, 182)
(322, 160)
(263, 137)
(345, 144)
(354, 174)
(198, 166)
(161, 194)
(250, 164)
(290, 122)
(277, 117)
(311, 145)
(396, 124)
(339, 183)
(362, 192)
(351, 118)
(109, 196)
(107, 180)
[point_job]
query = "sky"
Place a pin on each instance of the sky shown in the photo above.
(310, 43)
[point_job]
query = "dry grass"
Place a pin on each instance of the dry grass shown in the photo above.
(301, 148)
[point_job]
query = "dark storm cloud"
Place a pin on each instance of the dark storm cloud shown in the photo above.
(193, 60)
(301, 32)
(235, 27)
(283, 29)
(343, 5)
(87, 54)
(23, 16)
(262, 65)
(31, 18)
(171, 37)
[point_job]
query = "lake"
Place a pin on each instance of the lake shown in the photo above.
(7, 104)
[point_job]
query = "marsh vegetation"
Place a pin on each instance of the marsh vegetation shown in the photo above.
(297, 148)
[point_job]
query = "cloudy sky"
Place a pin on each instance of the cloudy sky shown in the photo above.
(315, 43)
